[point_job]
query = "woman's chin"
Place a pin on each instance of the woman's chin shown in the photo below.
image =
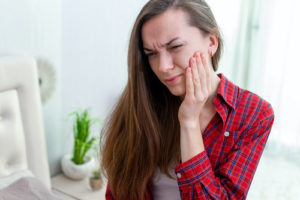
(177, 91)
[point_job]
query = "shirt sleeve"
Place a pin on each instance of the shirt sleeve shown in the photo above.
(232, 179)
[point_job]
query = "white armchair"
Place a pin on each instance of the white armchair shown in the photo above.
(22, 139)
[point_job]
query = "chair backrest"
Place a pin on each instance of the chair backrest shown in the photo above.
(22, 136)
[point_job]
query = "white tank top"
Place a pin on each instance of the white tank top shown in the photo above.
(165, 188)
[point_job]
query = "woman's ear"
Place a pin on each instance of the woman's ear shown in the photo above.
(213, 43)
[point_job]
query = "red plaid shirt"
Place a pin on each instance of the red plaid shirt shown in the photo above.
(234, 141)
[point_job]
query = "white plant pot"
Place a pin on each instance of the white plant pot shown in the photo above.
(74, 171)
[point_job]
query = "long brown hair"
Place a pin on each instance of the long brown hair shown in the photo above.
(142, 132)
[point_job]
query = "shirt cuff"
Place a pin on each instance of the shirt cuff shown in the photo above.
(193, 170)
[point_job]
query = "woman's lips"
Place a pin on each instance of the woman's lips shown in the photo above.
(173, 80)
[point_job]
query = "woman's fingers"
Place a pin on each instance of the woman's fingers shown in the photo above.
(198, 83)
(189, 86)
(202, 75)
(207, 73)
(196, 77)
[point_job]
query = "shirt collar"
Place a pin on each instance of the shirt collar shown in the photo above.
(228, 91)
(226, 97)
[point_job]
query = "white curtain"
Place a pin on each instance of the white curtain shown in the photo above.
(280, 74)
(261, 54)
(262, 38)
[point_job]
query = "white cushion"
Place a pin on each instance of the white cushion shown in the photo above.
(12, 140)
(22, 136)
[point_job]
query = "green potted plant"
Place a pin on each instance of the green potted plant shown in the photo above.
(96, 180)
(78, 165)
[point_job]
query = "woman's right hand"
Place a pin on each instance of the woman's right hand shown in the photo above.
(198, 87)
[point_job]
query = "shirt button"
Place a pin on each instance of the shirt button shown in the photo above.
(226, 134)
(178, 175)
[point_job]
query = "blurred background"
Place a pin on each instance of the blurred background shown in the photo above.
(85, 45)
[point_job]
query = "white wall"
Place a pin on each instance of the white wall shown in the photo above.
(95, 38)
(33, 28)
(94, 55)
(228, 23)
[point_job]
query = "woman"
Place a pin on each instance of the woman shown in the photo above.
(179, 130)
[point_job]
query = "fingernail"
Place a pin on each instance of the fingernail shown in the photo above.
(193, 60)
(202, 56)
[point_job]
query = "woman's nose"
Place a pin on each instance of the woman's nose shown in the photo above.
(165, 62)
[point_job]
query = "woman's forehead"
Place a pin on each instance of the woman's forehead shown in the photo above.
(164, 27)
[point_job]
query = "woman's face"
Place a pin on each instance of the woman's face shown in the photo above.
(169, 42)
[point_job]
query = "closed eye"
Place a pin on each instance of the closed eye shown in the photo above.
(176, 46)
(150, 54)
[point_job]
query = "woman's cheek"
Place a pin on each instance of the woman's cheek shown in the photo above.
(182, 60)
(153, 64)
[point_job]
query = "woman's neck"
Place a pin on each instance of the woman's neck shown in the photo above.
(215, 82)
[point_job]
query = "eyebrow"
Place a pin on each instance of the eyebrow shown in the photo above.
(166, 44)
